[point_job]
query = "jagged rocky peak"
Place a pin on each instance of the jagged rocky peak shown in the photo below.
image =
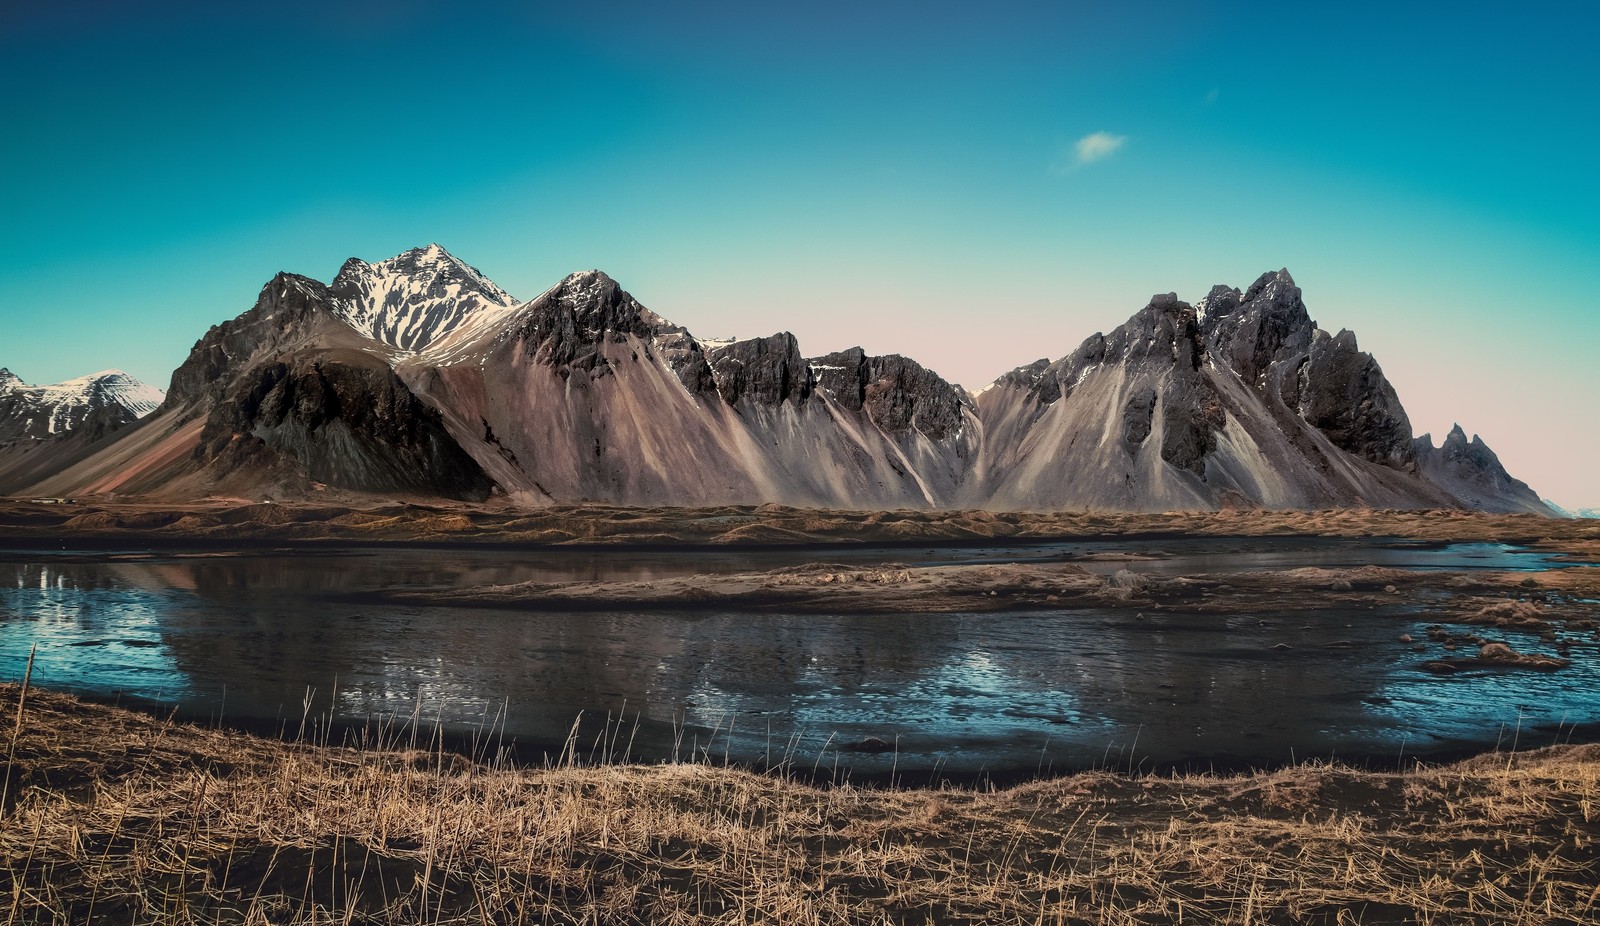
(415, 298)
(1266, 336)
(1472, 472)
(9, 380)
(1164, 334)
(762, 371)
(600, 305)
(587, 290)
(1270, 324)
(1166, 329)
(570, 324)
(1456, 446)
(285, 308)
(1343, 393)
(1222, 300)
(595, 303)
(897, 393)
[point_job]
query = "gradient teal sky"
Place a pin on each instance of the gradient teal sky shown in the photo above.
(905, 176)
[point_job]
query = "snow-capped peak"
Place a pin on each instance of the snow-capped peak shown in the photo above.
(419, 297)
(106, 387)
(39, 411)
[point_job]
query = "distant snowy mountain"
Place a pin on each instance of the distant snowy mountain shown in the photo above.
(100, 402)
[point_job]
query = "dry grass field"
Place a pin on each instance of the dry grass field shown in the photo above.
(233, 522)
(119, 817)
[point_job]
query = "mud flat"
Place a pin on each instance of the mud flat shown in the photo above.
(1562, 605)
(114, 816)
(1504, 599)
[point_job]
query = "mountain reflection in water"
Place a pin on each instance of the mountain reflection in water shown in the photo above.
(249, 636)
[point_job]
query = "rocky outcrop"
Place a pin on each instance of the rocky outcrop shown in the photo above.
(1472, 472)
(896, 393)
(351, 425)
(1267, 338)
(1127, 415)
(1036, 379)
(1343, 393)
(762, 371)
(291, 311)
(569, 327)
(1269, 327)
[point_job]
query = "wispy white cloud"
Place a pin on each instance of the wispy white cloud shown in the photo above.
(1097, 147)
(1211, 97)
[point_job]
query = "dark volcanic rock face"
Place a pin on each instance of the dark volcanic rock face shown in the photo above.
(1137, 415)
(569, 322)
(567, 326)
(1269, 325)
(1163, 343)
(897, 393)
(1343, 393)
(1473, 473)
(1036, 378)
(1163, 335)
(1194, 415)
(1268, 339)
(354, 427)
(285, 308)
(765, 371)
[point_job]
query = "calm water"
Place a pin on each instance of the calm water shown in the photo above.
(272, 640)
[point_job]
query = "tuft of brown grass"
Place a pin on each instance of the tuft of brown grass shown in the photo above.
(119, 817)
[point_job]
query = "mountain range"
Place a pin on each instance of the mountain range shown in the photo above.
(419, 377)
